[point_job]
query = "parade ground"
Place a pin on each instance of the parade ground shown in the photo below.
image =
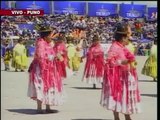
(82, 101)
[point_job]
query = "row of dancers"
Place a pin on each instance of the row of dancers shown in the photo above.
(117, 73)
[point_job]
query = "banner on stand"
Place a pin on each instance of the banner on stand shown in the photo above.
(68, 7)
(132, 11)
(102, 9)
(152, 13)
(34, 5)
(4, 5)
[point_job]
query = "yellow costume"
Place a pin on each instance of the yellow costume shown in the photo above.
(77, 57)
(7, 58)
(71, 53)
(131, 48)
(20, 59)
(76, 61)
(150, 66)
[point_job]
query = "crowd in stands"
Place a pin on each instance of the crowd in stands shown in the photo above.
(67, 24)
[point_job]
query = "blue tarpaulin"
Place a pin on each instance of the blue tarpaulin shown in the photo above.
(145, 40)
(31, 50)
(26, 26)
(3, 50)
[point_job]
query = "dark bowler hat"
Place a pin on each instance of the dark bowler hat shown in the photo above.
(69, 39)
(96, 37)
(20, 39)
(121, 28)
(59, 38)
(155, 40)
(43, 28)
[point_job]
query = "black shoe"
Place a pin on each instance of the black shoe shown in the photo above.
(51, 111)
(117, 119)
(154, 79)
(40, 112)
(94, 86)
(16, 70)
(7, 69)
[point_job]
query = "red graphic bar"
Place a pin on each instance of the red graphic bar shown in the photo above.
(21, 12)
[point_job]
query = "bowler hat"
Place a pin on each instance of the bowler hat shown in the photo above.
(69, 39)
(59, 38)
(43, 28)
(96, 37)
(121, 28)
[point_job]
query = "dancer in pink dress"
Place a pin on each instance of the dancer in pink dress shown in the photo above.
(61, 50)
(120, 91)
(94, 68)
(45, 84)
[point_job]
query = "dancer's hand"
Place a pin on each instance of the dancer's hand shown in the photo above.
(124, 62)
(60, 57)
(50, 57)
(135, 63)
